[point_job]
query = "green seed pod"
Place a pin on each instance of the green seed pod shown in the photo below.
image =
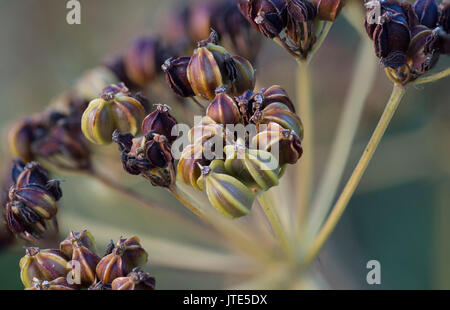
(135, 281)
(80, 247)
(281, 114)
(223, 109)
(43, 265)
(126, 255)
(59, 284)
(228, 195)
(115, 110)
(245, 76)
(252, 166)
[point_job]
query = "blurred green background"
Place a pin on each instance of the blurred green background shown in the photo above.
(399, 215)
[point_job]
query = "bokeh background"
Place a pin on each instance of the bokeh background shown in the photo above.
(400, 214)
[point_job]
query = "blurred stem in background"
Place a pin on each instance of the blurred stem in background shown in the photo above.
(361, 84)
(349, 189)
(305, 169)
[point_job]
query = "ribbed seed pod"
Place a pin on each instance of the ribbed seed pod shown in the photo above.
(43, 265)
(188, 169)
(227, 194)
(223, 109)
(428, 12)
(116, 110)
(280, 114)
(419, 60)
(176, 76)
(126, 255)
(204, 73)
(270, 95)
(286, 141)
(245, 77)
(83, 238)
(160, 122)
(252, 166)
(135, 281)
(158, 151)
(267, 16)
(80, 247)
(59, 284)
(37, 198)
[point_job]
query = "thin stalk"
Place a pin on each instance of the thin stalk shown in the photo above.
(349, 189)
(363, 79)
(432, 78)
(108, 182)
(240, 237)
(174, 190)
(321, 38)
(305, 167)
(272, 216)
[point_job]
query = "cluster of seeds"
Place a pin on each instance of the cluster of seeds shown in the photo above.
(75, 265)
(410, 38)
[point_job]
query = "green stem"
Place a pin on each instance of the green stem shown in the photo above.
(363, 79)
(349, 189)
(322, 36)
(305, 167)
(271, 213)
(432, 78)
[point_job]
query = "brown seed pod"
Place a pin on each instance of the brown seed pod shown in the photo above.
(160, 122)
(80, 247)
(45, 265)
(444, 19)
(428, 12)
(59, 284)
(115, 110)
(188, 169)
(176, 76)
(135, 281)
(266, 16)
(245, 76)
(286, 141)
(223, 109)
(158, 151)
(280, 114)
(124, 256)
(204, 73)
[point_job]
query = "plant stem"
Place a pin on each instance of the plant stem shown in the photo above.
(271, 213)
(363, 79)
(239, 236)
(184, 201)
(108, 182)
(339, 208)
(432, 78)
(322, 36)
(305, 167)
